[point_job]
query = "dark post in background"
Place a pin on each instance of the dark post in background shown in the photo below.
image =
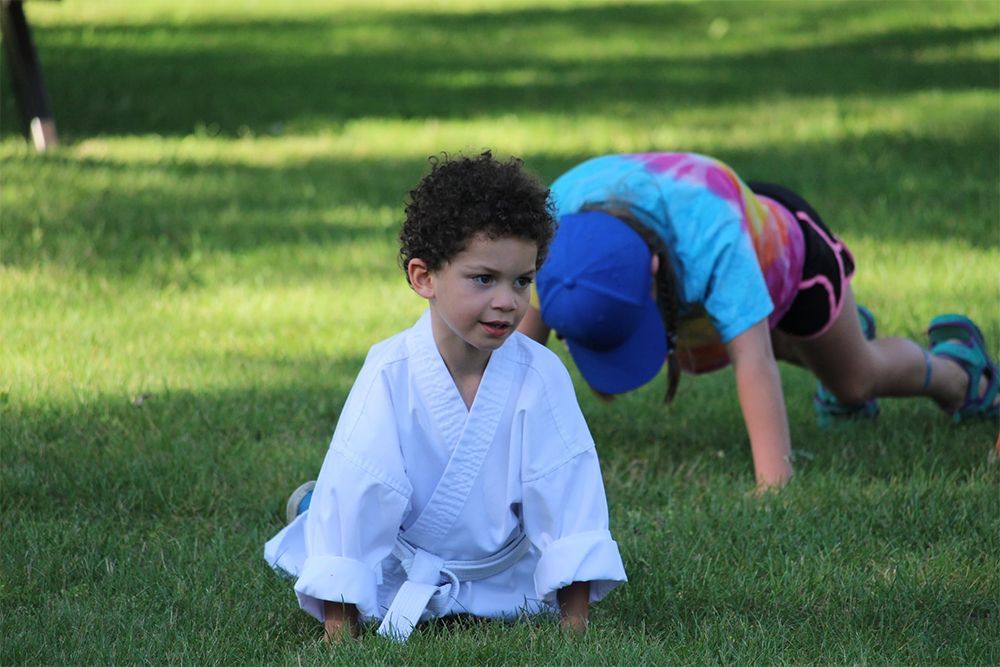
(26, 74)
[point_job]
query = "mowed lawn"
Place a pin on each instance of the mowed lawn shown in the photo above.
(189, 284)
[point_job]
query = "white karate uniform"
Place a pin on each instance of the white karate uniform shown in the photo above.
(409, 460)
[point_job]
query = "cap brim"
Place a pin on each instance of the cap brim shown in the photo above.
(630, 365)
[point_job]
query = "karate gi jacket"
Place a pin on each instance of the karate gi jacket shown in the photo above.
(409, 460)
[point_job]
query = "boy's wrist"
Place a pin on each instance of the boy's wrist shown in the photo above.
(574, 605)
(340, 622)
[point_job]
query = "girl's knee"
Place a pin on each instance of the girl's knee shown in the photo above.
(851, 390)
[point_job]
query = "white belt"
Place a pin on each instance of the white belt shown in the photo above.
(432, 582)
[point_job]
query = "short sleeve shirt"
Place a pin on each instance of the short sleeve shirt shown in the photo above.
(737, 257)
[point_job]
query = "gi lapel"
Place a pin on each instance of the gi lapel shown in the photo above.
(480, 429)
(433, 383)
(425, 570)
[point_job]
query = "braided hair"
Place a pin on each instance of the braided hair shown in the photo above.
(666, 286)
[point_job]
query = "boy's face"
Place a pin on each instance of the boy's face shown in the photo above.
(479, 297)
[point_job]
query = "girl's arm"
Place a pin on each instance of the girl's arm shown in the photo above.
(759, 386)
(574, 605)
(341, 621)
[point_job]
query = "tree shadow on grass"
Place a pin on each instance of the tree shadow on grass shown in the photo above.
(165, 452)
(264, 76)
(895, 187)
(157, 504)
(325, 216)
(161, 451)
(649, 450)
(117, 509)
(128, 219)
(909, 623)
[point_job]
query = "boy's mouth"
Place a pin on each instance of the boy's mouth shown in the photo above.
(497, 328)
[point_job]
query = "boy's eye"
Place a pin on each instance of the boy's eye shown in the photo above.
(522, 282)
(482, 279)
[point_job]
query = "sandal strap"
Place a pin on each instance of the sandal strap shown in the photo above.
(951, 326)
(977, 365)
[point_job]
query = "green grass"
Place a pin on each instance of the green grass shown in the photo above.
(190, 282)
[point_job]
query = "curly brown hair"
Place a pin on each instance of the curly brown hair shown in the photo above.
(462, 197)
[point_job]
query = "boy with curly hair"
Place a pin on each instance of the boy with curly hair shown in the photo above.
(462, 477)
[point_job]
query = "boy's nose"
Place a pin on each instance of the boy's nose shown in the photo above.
(503, 299)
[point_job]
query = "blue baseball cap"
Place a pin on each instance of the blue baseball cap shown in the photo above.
(595, 291)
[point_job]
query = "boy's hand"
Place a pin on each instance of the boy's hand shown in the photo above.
(574, 603)
(574, 625)
(341, 622)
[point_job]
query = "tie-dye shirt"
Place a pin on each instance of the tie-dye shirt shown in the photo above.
(737, 256)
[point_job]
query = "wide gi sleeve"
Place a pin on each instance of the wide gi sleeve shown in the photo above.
(564, 507)
(359, 501)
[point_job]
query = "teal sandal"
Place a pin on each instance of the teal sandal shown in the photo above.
(829, 410)
(957, 338)
(954, 327)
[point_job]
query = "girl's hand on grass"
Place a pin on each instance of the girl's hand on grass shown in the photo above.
(758, 385)
(766, 488)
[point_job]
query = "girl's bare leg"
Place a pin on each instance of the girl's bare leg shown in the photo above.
(855, 369)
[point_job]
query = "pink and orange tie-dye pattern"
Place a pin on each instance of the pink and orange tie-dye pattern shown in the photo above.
(773, 231)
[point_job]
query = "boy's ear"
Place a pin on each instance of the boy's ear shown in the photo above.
(421, 279)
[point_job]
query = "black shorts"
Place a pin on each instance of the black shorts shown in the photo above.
(827, 268)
